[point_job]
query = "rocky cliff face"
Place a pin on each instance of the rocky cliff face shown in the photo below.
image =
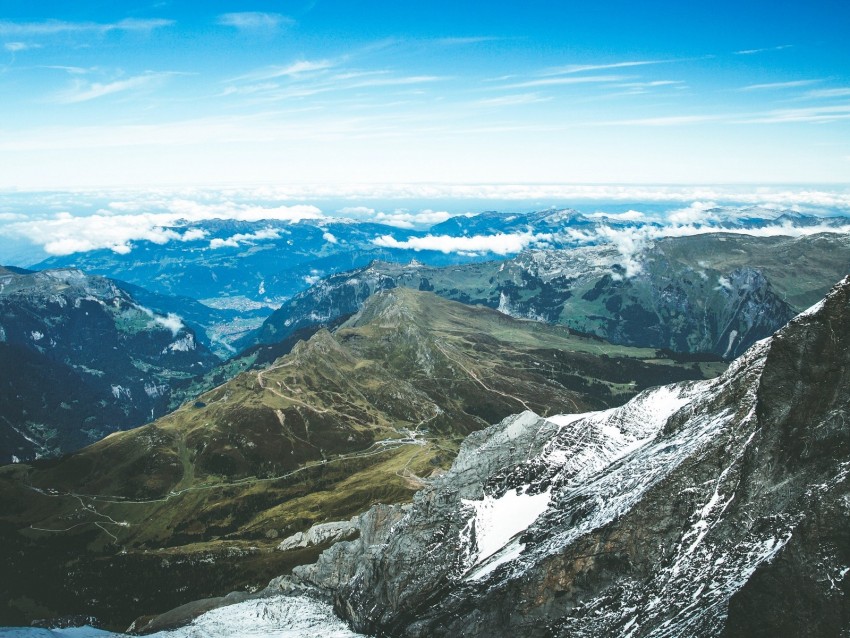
(715, 293)
(82, 358)
(711, 508)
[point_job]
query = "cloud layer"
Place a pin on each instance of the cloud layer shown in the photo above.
(499, 244)
(120, 225)
(160, 216)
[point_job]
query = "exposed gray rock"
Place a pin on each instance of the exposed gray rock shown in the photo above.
(321, 534)
(482, 453)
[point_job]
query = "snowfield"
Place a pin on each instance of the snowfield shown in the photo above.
(275, 617)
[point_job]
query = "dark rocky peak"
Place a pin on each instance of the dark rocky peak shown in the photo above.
(806, 380)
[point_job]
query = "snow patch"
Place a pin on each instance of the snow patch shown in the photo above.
(184, 344)
(813, 310)
(276, 617)
(119, 391)
(154, 391)
(732, 336)
(497, 520)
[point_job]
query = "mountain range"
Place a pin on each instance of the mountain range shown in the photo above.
(709, 508)
(81, 359)
(669, 455)
(236, 266)
(715, 293)
(196, 502)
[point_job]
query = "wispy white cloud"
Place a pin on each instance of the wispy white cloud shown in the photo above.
(629, 215)
(16, 47)
(836, 197)
(254, 20)
(406, 219)
(395, 81)
(569, 80)
(73, 70)
(307, 78)
(65, 234)
(697, 212)
(234, 241)
(516, 99)
(450, 41)
(583, 68)
(83, 91)
(52, 27)
(695, 220)
(792, 84)
(291, 70)
(764, 50)
(828, 93)
(651, 84)
(357, 211)
(260, 127)
(400, 218)
(814, 114)
(250, 89)
(669, 120)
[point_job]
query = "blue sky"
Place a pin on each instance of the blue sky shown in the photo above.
(358, 92)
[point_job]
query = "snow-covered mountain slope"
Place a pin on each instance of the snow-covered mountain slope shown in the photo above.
(711, 508)
(275, 617)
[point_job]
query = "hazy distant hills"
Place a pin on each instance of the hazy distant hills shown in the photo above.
(750, 218)
(82, 358)
(251, 264)
(706, 293)
(252, 267)
(347, 419)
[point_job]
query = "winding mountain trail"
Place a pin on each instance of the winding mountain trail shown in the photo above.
(292, 399)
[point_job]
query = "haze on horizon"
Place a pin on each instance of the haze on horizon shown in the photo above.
(324, 91)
